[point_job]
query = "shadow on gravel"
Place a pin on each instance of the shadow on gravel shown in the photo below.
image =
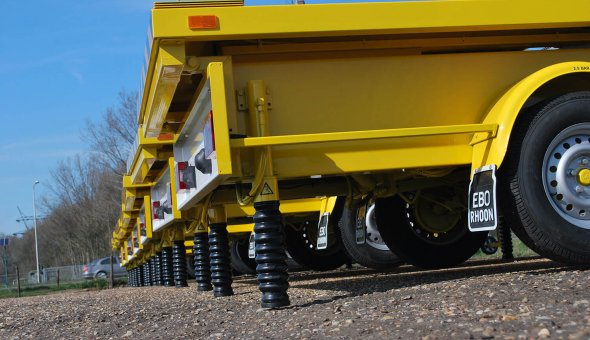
(363, 281)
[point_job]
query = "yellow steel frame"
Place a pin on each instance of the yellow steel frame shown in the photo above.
(175, 212)
(371, 18)
(148, 151)
(304, 205)
(489, 130)
(219, 104)
(167, 71)
(147, 210)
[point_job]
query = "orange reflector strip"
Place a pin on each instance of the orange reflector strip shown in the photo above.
(165, 136)
(202, 22)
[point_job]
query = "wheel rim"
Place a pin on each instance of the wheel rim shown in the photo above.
(566, 174)
(373, 237)
(434, 224)
(309, 233)
(488, 247)
(101, 275)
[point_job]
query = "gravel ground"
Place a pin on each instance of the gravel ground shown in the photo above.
(526, 299)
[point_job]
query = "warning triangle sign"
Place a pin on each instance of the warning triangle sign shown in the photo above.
(266, 190)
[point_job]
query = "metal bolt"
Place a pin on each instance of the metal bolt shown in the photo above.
(572, 172)
(584, 161)
(579, 189)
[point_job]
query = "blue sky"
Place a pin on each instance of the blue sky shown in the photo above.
(62, 62)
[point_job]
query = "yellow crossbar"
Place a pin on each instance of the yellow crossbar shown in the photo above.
(363, 135)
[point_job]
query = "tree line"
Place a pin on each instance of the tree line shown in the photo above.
(84, 197)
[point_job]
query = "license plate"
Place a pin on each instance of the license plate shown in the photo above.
(322, 241)
(359, 226)
(482, 208)
(251, 247)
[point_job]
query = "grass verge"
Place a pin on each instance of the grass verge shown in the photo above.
(43, 289)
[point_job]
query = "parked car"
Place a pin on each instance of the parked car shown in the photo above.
(100, 268)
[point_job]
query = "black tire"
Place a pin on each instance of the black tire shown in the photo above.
(240, 261)
(301, 244)
(538, 207)
(366, 254)
(408, 239)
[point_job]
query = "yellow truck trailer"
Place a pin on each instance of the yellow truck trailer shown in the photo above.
(443, 116)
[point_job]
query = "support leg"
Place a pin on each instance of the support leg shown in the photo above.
(153, 282)
(167, 272)
(146, 274)
(505, 237)
(270, 254)
(179, 264)
(141, 276)
(221, 276)
(158, 268)
(202, 265)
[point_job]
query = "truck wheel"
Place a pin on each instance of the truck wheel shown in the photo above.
(240, 261)
(301, 245)
(544, 182)
(374, 253)
(432, 232)
(489, 245)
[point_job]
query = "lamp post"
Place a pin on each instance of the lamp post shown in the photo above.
(35, 226)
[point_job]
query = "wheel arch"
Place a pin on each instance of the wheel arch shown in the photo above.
(549, 82)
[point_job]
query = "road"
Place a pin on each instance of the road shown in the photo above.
(531, 298)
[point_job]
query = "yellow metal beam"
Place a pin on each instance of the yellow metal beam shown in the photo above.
(147, 157)
(240, 228)
(363, 135)
(304, 205)
(219, 104)
(167, 73)
(128, 183)
(409, 44)
(371, 18)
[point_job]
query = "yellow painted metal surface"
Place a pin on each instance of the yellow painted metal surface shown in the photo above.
(146, 158)
(372, 18)
(391, 92)
(167, 71)
(144, 155)
(147, 206)
(506, 109)
(489, 129)
(220, 117)
(175, 212)
(304, 205)
(240, 228)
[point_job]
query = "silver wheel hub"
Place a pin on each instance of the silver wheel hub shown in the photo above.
(566, 167)
(373, 237)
